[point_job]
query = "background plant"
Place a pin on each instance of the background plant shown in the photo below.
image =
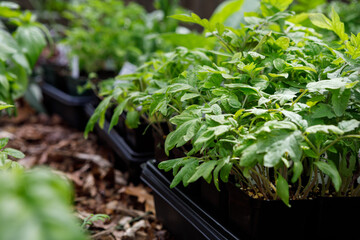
(106, 34)
(19, 50)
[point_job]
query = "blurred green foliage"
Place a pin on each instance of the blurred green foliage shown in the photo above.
(34, 204)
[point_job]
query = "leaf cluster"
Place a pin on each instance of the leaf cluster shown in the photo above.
(273, 105)
(105, 34)
(19, 50)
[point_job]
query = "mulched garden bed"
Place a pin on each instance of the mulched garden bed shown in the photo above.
(99, 187)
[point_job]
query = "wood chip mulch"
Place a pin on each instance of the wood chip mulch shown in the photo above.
(99, 187)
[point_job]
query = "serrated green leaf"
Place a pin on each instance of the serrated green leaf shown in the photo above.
(295, 118)
(204, 170)
(117, 112)
(177, 137)
(168, 164)
(98, 113)
(185, 172)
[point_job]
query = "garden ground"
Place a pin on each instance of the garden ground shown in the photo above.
(99, 187)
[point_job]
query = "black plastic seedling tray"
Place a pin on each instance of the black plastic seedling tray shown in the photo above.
(127, 158)
(178, 212)
(69, 108)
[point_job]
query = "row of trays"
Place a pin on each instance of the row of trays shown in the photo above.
(177, 208)
(199, 211)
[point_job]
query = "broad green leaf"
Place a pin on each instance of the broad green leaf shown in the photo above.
(132, 119)
(31, 40)
(323, 110)
(14, 153)
(218, 130)
(349, 125)
(193, 18)
(8, 45)
(279, 4)
(324, 129)
(275, 75)
(246, 89)
(4, 106)
(249, 156)
(279, 64)
(204, 139)
(330, 170)
(3, 142)
(225, 10)
(297, 171)
(178, 87)
(295, 118)
(337, 26)
(39, 202)
(320, 20)
(340, 101)
(282, 189)
(188, 96)
(279, 144)
(334, 83)
(283, 42)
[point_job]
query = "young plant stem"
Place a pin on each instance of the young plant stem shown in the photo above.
(224, 43)
(261, 184)
(296, 195)
(267, 184)
(322, 184)
(310, 184)
(153, 125)
(311, 145)
(356, 191)
(299, 97)
(335, 141)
